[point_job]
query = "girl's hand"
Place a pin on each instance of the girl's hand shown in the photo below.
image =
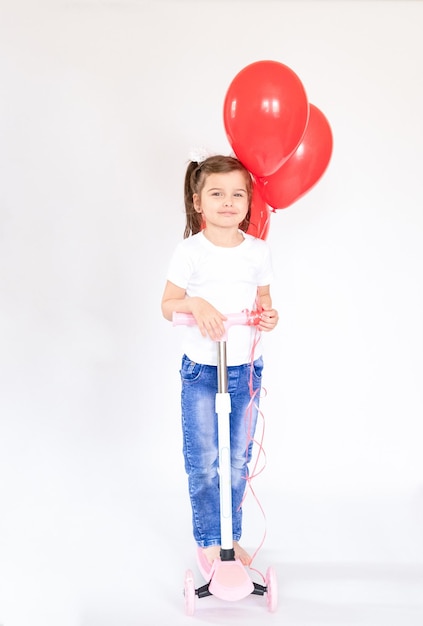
(268, 319)
(209, 320)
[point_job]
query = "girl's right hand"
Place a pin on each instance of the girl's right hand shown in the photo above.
(209, 320)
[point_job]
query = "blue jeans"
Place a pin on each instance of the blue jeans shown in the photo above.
(200, 443)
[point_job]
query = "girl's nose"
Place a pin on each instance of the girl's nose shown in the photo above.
(228, 202)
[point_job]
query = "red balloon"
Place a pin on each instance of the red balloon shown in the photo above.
(304, 167)
(265, 114)
(260, 215)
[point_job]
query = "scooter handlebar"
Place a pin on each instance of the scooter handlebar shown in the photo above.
(245, 318)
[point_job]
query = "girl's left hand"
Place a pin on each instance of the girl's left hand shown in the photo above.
(268, 319)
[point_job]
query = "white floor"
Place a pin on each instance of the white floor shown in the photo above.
(108, 560)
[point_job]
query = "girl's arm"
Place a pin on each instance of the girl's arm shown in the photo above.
(269, 316)
(209, 319)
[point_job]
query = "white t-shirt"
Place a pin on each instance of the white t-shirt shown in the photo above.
(227, 278)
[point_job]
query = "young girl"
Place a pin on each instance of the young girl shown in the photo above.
(218, 269)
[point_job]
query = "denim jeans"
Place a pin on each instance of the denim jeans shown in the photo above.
(200, 441)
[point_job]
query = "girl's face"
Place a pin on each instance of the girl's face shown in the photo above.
(223, 200)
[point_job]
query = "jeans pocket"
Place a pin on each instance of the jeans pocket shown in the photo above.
(190, 371)
(258, 368)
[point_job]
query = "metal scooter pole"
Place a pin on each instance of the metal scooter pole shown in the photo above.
(223, 410)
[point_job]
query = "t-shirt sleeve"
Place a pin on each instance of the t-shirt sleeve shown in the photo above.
(265, 274)
(179, 269)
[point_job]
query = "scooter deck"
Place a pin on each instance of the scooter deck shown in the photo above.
(228, 580)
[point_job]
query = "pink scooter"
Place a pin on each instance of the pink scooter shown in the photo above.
(227, 577)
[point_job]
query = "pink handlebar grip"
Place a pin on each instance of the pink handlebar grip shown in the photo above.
(245, 318)
(183, 319)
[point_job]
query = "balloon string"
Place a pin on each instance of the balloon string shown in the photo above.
(264, 227)
(260, 459)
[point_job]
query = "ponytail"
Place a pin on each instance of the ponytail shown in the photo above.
(193, 218)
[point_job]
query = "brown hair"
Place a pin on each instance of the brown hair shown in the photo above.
(195, 179)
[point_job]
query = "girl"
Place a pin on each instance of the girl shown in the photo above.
(218, 268)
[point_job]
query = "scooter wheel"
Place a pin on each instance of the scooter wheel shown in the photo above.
(272, 589)
(189, 593)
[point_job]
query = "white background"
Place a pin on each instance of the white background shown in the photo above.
(100, 104)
